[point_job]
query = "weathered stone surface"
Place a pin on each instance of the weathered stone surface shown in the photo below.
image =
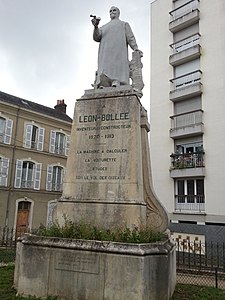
(94, 270)
(104, 182)
(108, 177)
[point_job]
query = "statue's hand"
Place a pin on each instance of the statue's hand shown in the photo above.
(140, 52)
(95, 22)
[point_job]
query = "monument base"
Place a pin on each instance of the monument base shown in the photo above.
(103, 214)
(94, 270)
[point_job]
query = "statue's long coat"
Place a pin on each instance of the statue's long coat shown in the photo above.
(114, 38)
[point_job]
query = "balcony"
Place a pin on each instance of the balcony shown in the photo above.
(191, 203)
(185, 50)
(186, 86)
(187, 165)
(184, 16)
(187, 124)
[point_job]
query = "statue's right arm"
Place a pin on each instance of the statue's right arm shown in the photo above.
(97, 34)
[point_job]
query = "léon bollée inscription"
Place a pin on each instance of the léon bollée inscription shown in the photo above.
(102, 145)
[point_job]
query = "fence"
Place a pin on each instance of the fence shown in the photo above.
(201, 263)
(198, 263)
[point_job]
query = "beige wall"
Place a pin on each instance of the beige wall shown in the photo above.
(38, 198)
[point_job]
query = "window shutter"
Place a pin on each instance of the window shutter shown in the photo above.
(18, 176)
(67, 144)
(28, 135)
(4, 168)
(52, 142)
(8, 131)
(40, 142)
(62, 178)
(49, 178)
(37, 176)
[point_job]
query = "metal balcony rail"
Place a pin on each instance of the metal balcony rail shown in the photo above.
(60, 150)
(184, 10)
(190, 203)
(186, 43)
(187, 160)
(186, 80)
(27, 184)
(186, 119)
(33, 145)
(56, 186)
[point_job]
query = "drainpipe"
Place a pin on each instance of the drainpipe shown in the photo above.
(12, 170)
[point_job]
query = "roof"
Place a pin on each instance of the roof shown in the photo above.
(23, 103)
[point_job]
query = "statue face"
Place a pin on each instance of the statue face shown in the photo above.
(114, 12)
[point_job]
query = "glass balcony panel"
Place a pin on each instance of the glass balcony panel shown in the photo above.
(186, 43)
(184, 9)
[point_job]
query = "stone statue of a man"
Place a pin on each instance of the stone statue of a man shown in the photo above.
(114, 38)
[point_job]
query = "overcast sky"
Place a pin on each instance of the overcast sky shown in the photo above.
(47, 51)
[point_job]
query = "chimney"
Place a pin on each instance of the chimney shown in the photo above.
(61, 106)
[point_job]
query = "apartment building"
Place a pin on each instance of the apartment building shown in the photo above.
(34, 142)
(187, 107)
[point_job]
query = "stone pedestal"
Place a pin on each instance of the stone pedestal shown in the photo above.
(104, 176)
(94, 270)
(108, 184)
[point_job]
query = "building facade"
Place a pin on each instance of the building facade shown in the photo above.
(34, 142)
(187, 114)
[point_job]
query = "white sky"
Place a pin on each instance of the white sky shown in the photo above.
(47, 51)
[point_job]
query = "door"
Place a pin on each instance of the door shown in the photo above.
(23, 213)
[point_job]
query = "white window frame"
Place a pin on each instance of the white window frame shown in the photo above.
(4, 170)
(7, 130)
(195, 205)
(36, 175)
(38, 144)
(53, 145)
(49, 178)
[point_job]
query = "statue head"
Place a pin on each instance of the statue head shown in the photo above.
(114, 12)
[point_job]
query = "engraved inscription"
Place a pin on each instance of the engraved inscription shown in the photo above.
(78, 262)
(102, 146)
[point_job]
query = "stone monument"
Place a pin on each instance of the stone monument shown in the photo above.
(108, 184)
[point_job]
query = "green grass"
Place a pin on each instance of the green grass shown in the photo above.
(182, 292)
(7, 292)
(7, 255)
(193, 292)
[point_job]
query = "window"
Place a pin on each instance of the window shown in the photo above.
(34, 137)
(189, 148)
(59, 143)
(55, 176)
(28, 175)
(4, 169)
(5, 130)
(189, 194)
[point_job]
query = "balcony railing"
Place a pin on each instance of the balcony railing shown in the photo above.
(185, 43)
(27, 184)
(187, 160)
(60, 150)
(184, 9)
(190, 203)
(186, 80)
(186, 119)
(56, 187)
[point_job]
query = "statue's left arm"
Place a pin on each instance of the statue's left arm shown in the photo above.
(130, 37)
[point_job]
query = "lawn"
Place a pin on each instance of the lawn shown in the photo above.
(182, 292)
